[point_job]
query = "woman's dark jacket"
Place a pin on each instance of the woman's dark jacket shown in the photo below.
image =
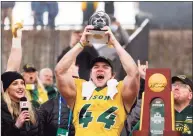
(8, 127)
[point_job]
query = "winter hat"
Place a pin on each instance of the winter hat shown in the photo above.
(8, 77)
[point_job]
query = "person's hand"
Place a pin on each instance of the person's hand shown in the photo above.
(83, 39)
(142, 68)
(112, 39)
(24, 116)
(17, 30)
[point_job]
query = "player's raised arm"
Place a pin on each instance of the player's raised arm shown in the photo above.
(64, 79)
(132, 79)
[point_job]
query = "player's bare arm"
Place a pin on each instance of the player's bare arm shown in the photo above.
(132, 80)
(64, 79)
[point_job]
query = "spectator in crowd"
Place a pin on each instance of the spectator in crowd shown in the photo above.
(92, 104)
(38, 8)
(84, 58)
(12, 118)
(182, 88)
(35, 89)
(88, 8)
(109, 8)
(53, 10)
(56, 115)
(121, 35)
(30, 73)
(46, 77)
(6, 11)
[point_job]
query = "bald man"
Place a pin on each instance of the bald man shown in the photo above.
(46, 77)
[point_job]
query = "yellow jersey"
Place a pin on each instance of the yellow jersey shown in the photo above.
(100, 115)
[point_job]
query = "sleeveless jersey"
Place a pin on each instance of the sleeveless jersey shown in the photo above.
(100, 115)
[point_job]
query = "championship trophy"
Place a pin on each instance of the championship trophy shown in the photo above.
(98, 20)
(157, 108)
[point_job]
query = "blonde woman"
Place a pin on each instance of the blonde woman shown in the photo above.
(12, 118)
(13, 85)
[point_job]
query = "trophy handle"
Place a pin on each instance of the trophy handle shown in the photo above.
(146, 133)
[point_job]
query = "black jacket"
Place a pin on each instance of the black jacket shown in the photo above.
(49, 116)
(134, 115)
(8, 127)
(83, 60)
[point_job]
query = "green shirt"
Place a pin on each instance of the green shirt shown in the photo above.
(183, 121)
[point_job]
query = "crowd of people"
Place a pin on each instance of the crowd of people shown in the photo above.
(38, 9)
(86, 99)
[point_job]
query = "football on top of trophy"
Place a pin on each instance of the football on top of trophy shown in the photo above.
(157, 82)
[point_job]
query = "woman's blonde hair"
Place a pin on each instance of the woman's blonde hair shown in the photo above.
(14, 107)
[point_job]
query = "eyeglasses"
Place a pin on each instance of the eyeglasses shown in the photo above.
(181, 86)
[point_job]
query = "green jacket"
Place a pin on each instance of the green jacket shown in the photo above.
(51, 91)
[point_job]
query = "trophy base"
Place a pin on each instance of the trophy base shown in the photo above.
(171, 133)
(146, 133)
(140, 133)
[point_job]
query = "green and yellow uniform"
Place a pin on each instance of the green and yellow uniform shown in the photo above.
(184, 121)
(100, 115)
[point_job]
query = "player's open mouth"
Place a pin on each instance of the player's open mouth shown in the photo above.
(100, 77)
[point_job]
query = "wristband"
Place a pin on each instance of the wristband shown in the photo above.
(80, 45)
(83, 44)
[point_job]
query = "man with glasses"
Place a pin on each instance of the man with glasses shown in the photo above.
(182, 89)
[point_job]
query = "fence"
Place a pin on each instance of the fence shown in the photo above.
(163, 48)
